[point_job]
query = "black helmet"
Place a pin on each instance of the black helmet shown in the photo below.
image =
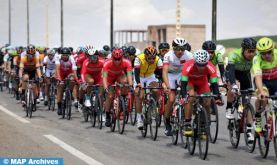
(31, 49)
(71, 49)
(124, 49)
(131, 50)
(187, 47)
(209, 45)
(106, 48)
(164, 45)
(248, 43)
(65, 51)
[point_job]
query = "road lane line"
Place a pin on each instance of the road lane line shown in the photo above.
(3, 109)
(73, 151)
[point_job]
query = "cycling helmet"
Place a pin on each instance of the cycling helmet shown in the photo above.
(265, 44)
(178, 42)
(50, 52)
(40, 48)
(19, 49)
(208, 45)
(248, 43)
(71, 49)
(12, 52)
(187, 47)
(150, 51)
(106, 48)
(164, 45)
(91, 51)
(31, 49)
(131, 50)
(124, 49)
(65, 51)
(117, 53)
(201, 57)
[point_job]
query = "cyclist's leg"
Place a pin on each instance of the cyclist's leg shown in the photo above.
(108, 101)
(188, 111)
(139, 96)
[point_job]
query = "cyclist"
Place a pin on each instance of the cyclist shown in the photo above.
(265, 72)
(172, 71)
(163, 49)
(41, 51)
(238, 68)
(16, 62)
(50, 69)
(65, 68)
(145, 66)
(215, 57)
(29, 67)
(195, 74)
(113, 71)
(131, 51)
(91, 74)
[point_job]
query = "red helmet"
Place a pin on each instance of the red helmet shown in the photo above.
(117, 53)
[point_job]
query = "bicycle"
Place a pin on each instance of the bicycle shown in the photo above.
(269, 123)
(95, 111)
(241, 110)
(150, 112)
(52, 94)
(118, 111)
(1, 79)
(177, 119)
(29, 99)
(200, 127)
(67, 99)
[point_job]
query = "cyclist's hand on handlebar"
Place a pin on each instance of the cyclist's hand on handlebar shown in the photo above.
(219, 101)
(139, 85)
(262, 95)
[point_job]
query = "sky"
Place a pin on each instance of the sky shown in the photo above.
(88, 21)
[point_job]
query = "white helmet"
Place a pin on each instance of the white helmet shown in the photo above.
(178, 42)
(201, 57)
(91, 51)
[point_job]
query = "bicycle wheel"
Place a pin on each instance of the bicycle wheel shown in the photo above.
(234, 130)
(181, 127)
(145, 124)
(86, 113)
(203, 134)
(162, 109)
(213, 119)
(275, 137)
(121, 115)
(191, 140)
(52, 96)
(249, 110)
(92, 115)
(30, 102)
(263, 137)
(99, 112)
(68, 105)
(174, 121)
(63, 108)
(153, 118)
(113, 119)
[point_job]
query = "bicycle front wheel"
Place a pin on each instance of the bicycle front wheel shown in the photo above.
(213, 119)
(263, 137)
(68, 105)
(99, 112)
(174, 121)
(249, 110)
(121, 115)
(203, 133)
(153, 121)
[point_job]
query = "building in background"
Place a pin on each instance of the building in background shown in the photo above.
(155, 34)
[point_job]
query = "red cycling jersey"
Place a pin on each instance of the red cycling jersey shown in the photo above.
(80, 59)
(115, 71)
(198, 79)
(66, 67)
(92, 69)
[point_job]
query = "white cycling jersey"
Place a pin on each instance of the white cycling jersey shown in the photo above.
(175, 66)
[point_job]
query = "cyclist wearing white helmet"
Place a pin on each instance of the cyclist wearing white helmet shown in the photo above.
(172, 69)
(194, 79)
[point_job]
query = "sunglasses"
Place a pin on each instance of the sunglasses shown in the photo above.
(266, 53)
(201, 65)
(251, 50)
(179, 48)
(150, 58)
(164, 50)
(117, 59)
(93, 57)
(211, 51)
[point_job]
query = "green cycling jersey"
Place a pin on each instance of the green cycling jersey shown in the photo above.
(217, 58)
(241, 64)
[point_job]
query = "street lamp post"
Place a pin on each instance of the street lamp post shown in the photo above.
(214, 12)
(10, 21)
(61, 23)
(28, 26)
(111, 30)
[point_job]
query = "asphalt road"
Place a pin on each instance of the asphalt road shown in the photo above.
(46, 135)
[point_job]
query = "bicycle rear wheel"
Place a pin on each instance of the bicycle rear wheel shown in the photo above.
(153, 119)
(191, 140)
(145, 124)
(99, 112)
(68, 105)
(92, 115)
(234, 130)
(174, 121)
(113, 119)
(263, 137)
(213, 119)
(249, 110)
(121, 115)
(203, 134)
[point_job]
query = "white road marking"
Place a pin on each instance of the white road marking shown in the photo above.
(73, 151)
(3, 109)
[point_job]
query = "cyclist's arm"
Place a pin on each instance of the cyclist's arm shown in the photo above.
(129, 70)
(58, 71)
(159, 70)
(231, 73)
(137, 70)
(165, 75)
(38, 67)
(222, 71)
(257, 71)
(259, 82)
